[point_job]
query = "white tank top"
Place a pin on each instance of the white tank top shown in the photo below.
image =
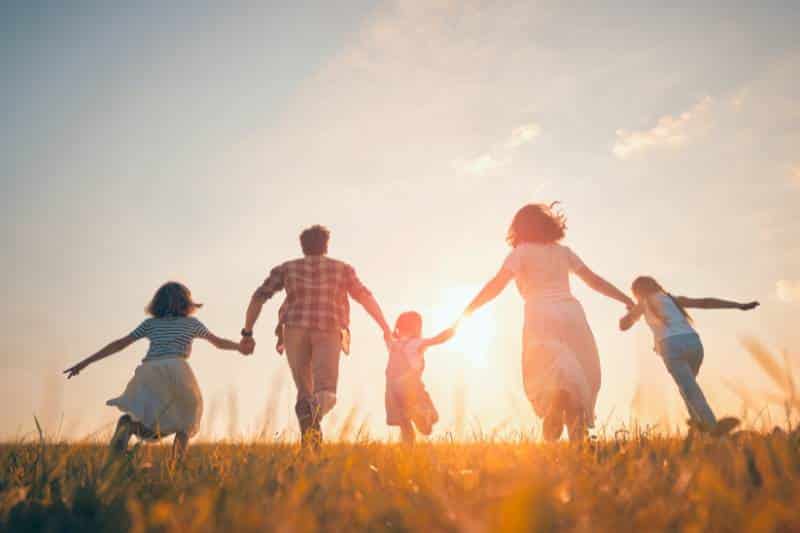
(673, 323)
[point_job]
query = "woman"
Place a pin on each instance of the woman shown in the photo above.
(560, 365)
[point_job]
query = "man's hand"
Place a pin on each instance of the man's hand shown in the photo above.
(248, 345)
(748, 306)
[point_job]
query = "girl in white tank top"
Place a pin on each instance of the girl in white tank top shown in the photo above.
(678, 343)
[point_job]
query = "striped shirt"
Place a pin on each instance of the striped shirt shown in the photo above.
(170, 336)
(316, 288)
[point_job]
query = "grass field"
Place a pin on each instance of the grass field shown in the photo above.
(746, 482)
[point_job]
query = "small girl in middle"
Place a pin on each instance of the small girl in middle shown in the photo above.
(408, 404)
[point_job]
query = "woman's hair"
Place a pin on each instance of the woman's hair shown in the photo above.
(408, 324)
(645, 286)
(172, 299)
(537, 223)
(314, 240)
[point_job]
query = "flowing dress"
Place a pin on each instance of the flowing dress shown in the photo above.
(559, 351)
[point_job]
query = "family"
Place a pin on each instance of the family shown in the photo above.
(560, 362)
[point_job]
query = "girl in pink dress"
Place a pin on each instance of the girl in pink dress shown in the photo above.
(408, 404)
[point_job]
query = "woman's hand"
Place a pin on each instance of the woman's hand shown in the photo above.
(625, 323)
(748, 306)
(75, 370)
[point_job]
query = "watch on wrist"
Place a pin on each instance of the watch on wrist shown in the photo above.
(247, 333)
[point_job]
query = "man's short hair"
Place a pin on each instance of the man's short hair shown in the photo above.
(314, 240)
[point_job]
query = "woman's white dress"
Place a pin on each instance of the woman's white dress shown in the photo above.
(559, 351)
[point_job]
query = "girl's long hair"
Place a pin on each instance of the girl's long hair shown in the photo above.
(172, 299)
(645, 286)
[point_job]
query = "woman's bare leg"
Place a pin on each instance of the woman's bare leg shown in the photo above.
(407, 433)
(553, 423)
(576, 425)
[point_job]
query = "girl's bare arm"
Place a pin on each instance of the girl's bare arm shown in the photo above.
(715, 303)
(110, 349)
(222, 343)
(442, 337)
(634, 314)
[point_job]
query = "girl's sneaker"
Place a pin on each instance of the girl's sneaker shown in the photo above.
(725, 426)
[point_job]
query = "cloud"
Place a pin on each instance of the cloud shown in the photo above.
(669, 131)
(501, 154)
(523, 135)
(788, 290)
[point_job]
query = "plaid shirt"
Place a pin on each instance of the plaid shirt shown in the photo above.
(316, 292)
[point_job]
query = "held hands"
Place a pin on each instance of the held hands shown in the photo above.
(247, 345)
(388, 336)
(626, 322)
(629, 304)
(748, 306)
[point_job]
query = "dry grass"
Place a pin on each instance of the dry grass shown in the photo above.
(746, 482)
(633, 481)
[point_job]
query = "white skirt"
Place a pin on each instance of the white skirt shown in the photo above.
(164, 396)
(560, 354)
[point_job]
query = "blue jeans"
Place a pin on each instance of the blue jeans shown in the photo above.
(683, 355)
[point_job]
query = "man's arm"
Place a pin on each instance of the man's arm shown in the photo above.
(257, 302)
(271, 285)
(715, 303)
(363, 296)
(371, 306)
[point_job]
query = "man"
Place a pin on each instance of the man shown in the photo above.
(315, 319)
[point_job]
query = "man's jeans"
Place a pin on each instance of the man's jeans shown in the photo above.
(683, 355)
(313, 356)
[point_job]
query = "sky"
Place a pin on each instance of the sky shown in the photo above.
(144, 143)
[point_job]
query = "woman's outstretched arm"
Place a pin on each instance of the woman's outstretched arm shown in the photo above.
(715, 303)
(604, 287)
(490, 291)
(110, 349)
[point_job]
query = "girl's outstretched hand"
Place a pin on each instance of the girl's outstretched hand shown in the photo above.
(748, 306)
(74, 370)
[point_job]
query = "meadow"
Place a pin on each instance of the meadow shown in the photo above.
(632, 479)
(748, 481)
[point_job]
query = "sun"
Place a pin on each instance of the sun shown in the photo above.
(475, 334)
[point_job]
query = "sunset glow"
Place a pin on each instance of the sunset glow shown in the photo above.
(153, 143)
(475, 334)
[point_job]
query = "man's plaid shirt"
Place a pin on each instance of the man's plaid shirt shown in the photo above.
(316, 292)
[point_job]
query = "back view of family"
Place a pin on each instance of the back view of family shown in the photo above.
(560, 362)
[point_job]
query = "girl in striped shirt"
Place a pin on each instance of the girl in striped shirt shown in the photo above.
(163, 397)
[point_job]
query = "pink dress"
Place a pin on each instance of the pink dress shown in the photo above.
(559, 351)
